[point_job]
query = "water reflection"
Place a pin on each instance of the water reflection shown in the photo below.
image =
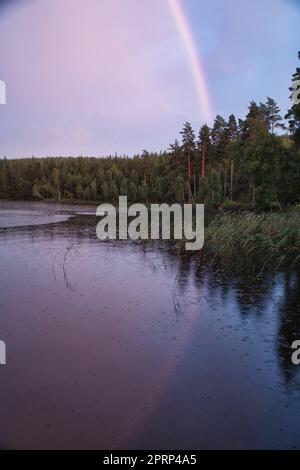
(164, 338)
(252, 295)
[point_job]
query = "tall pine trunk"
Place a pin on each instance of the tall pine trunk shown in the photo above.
(231, 178)
(225, 179)
(203, 160)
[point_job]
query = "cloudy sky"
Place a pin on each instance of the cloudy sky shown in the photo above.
(96, 77)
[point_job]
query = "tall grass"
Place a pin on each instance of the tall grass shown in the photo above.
(270, 237)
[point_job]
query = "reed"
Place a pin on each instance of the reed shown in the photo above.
(268, 237)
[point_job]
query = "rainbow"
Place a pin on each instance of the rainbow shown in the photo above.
(194, 57)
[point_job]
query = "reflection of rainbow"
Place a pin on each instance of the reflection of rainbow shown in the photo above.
(194, 57)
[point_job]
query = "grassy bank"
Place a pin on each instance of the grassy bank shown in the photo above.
(263, 238)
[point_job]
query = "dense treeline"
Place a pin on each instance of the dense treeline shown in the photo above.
(234, 163)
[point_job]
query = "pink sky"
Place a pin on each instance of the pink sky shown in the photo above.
(100, 76)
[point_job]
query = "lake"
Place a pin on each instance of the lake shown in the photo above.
(123, 345)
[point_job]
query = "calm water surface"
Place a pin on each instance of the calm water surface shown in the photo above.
(119, 345)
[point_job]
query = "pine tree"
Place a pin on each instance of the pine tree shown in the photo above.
(232, 128)
(176, 156)
(217, 132)
(203, 147)
(188, 143)
(293, 114)
(232, 133)
(254, 122)
(271, 112)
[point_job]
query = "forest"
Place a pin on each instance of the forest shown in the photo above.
(251, 163)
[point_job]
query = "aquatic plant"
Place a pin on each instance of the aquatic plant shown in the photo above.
(268, 237)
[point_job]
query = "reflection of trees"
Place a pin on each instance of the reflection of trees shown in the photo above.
(250, 290)
(221, 277)
(253, 293)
